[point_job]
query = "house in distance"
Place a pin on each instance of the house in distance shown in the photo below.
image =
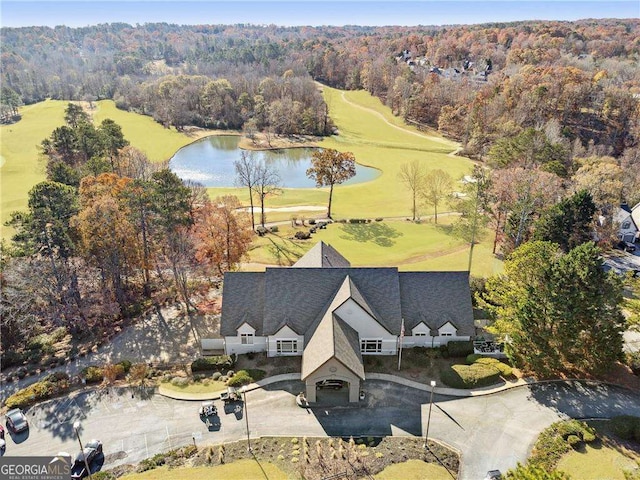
(332, 314)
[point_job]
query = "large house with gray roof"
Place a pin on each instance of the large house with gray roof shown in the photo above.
(332, 314)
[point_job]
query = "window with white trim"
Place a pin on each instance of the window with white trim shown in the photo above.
(420, 334)
(246, 338)
(446, 334)
(626, 225)
(371, 346)
(286, 346)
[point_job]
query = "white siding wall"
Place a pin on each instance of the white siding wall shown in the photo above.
(285, 333)
(235, 345)
(367, 327)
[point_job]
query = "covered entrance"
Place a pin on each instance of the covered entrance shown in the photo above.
(332, 363)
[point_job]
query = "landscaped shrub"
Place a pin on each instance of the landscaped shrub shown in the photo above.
(470, 376)
(559, 439)
(358, 220)
(93, 374)
(505, 370)
(302, 235)
(459, 348)
(217, 362)
(312, 221)
(245, 377)
(180, 381)
(11, 358)
(274, 229)
(126, 365)
(216, 376)
(379, 219)
(472, 358)
(49, 386)
(626, 427)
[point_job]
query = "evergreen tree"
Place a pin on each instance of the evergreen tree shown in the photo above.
(558, 312)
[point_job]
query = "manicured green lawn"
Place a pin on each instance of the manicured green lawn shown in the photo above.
(413, 470)
(240, 470)
(198, 387)
(408, 245)
(22, 167)
(598, 462)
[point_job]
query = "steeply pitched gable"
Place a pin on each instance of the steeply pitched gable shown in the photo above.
(322, 255)
(333, 338)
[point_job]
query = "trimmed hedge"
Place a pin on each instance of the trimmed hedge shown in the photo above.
(505, 370)
(218, 362)
(626, 427)
(51, 385)
(470, 376)
(460, 348)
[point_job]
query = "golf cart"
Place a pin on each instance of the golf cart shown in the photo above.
(207, 409)
(231, 395)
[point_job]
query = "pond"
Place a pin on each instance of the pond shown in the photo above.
(210, 161)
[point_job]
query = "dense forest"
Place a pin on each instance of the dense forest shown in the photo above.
(574, 81)
(551, 107)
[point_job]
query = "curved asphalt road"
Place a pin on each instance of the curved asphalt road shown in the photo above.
(492, 431)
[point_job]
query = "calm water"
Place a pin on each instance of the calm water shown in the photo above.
(210, 162)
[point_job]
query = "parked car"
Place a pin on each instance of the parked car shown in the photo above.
(334, 384)
(17, 421)
(91, 451)
(493, 475)
(1, 432)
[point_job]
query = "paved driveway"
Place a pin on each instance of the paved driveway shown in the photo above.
(494, 431)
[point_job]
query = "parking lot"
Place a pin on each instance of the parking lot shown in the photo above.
(494, 431)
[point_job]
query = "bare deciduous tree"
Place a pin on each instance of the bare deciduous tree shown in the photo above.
(412, 174)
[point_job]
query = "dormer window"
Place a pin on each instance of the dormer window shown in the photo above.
(626, 225)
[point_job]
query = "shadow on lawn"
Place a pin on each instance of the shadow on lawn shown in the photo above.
(378, 233)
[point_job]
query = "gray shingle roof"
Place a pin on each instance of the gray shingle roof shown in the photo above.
(436, 298)
(322, 255)
(243, 301)
(333, 338)
(302, 294)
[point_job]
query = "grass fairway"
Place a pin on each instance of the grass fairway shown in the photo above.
(21, 165)
(377, 139)
(144, 132)
(414, 470)
(408, 245)
(240, 470)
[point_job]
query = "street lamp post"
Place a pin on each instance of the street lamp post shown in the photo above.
(76, 427)
(246, 417)
(426, 436)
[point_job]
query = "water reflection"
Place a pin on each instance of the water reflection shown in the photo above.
(210, 161)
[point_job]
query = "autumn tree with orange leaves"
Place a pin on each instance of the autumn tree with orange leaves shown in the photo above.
(222, 233)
